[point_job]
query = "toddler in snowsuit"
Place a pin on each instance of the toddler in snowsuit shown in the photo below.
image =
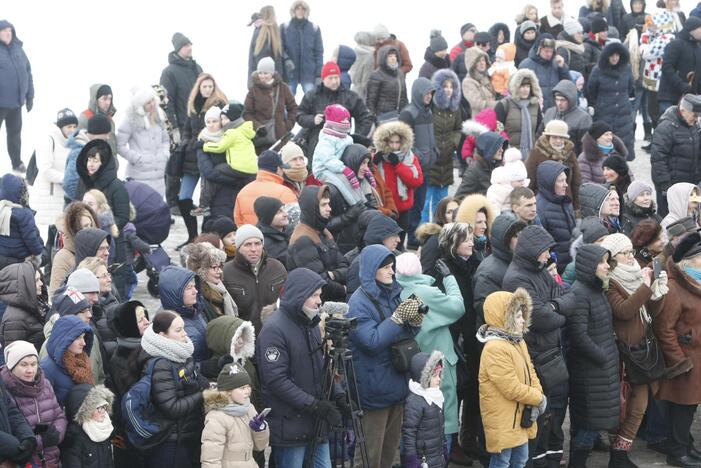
(423, 441)
(503, 68)
(326, 162)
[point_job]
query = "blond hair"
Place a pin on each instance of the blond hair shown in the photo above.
(268, 32)
(92, 264)
(103, 207)
(217, 98)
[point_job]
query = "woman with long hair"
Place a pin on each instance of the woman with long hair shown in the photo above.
(266, 42)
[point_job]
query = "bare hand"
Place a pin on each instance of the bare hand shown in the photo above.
(647, 276)
(318, 118)
(559, 60)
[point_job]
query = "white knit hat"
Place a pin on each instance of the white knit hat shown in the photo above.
(245, 232)
(617, 243)
(290, 151)
(266, 65)
(18, 350)
(212, 113)
(408, 264)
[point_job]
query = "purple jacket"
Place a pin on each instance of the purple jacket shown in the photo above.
(38, 404)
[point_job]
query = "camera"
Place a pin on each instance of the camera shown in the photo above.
(526, 421)
(423, 309)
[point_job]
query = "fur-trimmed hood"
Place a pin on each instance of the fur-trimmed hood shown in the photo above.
(610, 49)
(440, 100)
(215, 399)
(500, 309)
(136, 114)
(593, 153)
(86, 398)
(472, 55)
(473, 128)
(426, 230)
(223, 332)
(471, 204)
(518, 78)
(423, 366)
(385, 131)
(301, 3)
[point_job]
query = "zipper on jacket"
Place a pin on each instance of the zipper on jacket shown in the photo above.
(513, 426)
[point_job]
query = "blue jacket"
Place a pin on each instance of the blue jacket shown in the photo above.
(345, 60)
(555, 211)
(303, 45)
(172, 283)
(548, 72)
(379, 384)
(16, 82)
(71, 179)
(65, 331)
(24, 238)
(290, 362)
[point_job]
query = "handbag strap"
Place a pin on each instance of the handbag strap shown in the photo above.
(379, 310)
(277, 94)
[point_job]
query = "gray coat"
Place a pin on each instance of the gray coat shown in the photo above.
(577, 119)
(420, 118)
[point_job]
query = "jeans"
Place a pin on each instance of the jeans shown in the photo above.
(415, 213)
(640, 104)
(13, 128)
(657, 420)
(187, 186)
(293, 457)
(306, 86)
(510, 458)
(434, 194)
(584, 439)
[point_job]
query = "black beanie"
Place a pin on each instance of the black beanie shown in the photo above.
(616, 163)
(222, 226)
(66, 117)
(598, 128)
(103, 90)
(465, 27)
(266, 208)
(233, 110)
(483, 37)
(99, 124)
(125, 322)
(599, 24)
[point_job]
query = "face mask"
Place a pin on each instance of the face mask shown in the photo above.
(310, 313)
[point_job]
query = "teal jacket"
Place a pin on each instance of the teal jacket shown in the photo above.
(444, 309)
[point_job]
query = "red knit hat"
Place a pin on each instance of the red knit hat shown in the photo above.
(330, 68)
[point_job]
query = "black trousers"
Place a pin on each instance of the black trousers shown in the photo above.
(13, 127)
(680, 417)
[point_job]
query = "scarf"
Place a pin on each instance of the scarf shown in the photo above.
(78, 367)
(98, 431)
(432, 395)
(5, 216)
(236, 410)
(207, 136)
(230, 251)
(695, 273)
(489, 333)
(406, 158)
(526, 144)
(605, 149)
(630, 279)
(297, 174)
(337, 129)
(224, 298)
(160, 346)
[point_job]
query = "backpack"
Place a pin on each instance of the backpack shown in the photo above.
(144, 427)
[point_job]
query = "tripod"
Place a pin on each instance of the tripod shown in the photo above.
(339, 362)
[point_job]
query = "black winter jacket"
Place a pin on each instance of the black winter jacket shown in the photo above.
(275, 242)
(556, 212)
(593, 360)
(191, 130)
(178, 78)
(78, 450)
(422, 429)
(681, 57)
(386, 88)
(632, 214)
(13, 426)
(213, 168)
(676, 149)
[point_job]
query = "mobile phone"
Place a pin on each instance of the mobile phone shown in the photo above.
(41, 427)
(656, 267)
(265, 412)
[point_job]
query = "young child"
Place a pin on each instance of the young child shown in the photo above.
(19, 235)
(506, 178)
(507, 379)
(326, 162)
(423, 441)
(88, 437)
(232, 430)
(503, 68)
(211, 133)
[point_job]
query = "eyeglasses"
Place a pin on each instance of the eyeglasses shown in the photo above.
(217, 267)
(626, 253)
(103, 249)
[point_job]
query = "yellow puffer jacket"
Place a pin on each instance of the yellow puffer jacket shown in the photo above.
(507, 377)
(238, 144)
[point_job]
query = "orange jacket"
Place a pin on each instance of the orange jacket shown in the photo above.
(266, 184)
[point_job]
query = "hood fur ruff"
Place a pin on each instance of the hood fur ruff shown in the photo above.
(387, 130)
(426, 230)
(470, 205)
(96, 395)
(515, 83)
(498, 314)
(433, 360)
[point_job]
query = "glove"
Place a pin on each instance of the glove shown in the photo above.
(258, 424)
(442, 269)
(350, 175)
(327, 411)
(29, 104)
(51, 437)
(659, 286)
(117, 441)
(26, 449)
(342, 404)
(393, 158)
(543, 405)
(371, 202)
(198, 145)
(377, 159)
(289, 66)
(370, 178)
(261, 132)
(411, 461)
(408, 312)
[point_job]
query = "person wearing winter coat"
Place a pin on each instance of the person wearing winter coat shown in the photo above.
(274, 223)
(555, 208)
(51, 156)
(364, 63)
(680, 69)
(87, 443)
(178, 78)
(598, 144)
(566, 109)
(143, 141)
(485, 121)
(488, 154)
(345, 57)
(553, 22)
(383, 38)
(386, 87)
(506, 178)
(550, 69)
(447, 123)
(208, 263)
(477, 87)
(16, 91)
(593, 359)
(290, 360)
(648, 241)
(310, 113)
(303, 46)
(554, 145)
(611, 10)
(676, 149)
(436, 55)
(178, 400)
(101, 103)
(445, 309)
(528, 270)
(503, 68)
(634, 20)
(524, 38)
(467, 36)
(477, 211)
(638, 206)
(22, 291)
(683, 201)
(270, 99)
(382, 321)
(19, 236)
(520, 111)
(19, 443)
(507, 378)
(570, 46)
(232, 427)
(266, 41)
(423, 442)
(602, 202)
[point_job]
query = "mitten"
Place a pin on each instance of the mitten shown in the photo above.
(289, 66)
(408, 312)
(26, 450)
(327, 411)
(659, 286)
(370, 178)
(30, 104)
(350, 175)
(393, 158)
(51, 437)
(543, 405)
(258, 424)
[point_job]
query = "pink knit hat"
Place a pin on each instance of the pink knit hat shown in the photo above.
(408, 264)
(336, 113)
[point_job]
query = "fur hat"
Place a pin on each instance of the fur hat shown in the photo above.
(380, 32)
(408, 264)
(179, 41)
(126, 319)
(233, 110)
(330, 68)
(689, 246)
(66, 117)
(682, 226)
(231, 377)
(645, 233)
(437, 42)
(84, 281)
(203, 256)
(96, 397)
(245, 232)
(266, 65)
(599, 24)
(556, 128)
(598, 128)
(636, 188)
(18, 350)
(616, 163)
(572, 27)
(424, 366)
(617, 243)
(213, 112)
(99, 124)
(71, 302)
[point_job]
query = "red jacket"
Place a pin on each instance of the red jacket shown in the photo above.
(404, 173)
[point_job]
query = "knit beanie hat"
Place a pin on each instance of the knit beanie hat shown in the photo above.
(592, 229)
(636, 188)
(99, 124)
(645, 233)
(599, 24)
(526, 26)
(573, 27)
(617, 243)
(598, 128)
(466, 27)
(330, 68)
(233, 110)
(71, 302)
(483, 37)
(231, 377)
(66, 117)
(83, 280)
(222, 226)
(18, 350)
(179, 41)
(104, 90)
(270, 161)
(337, 118)
(266, 208)
(437, 42)
(290, 151)
(245, 232)
(213, 112)
(616, 163)
(408, 264)
(266, 65)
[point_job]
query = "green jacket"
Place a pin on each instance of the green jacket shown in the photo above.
(237, 142)
(444, 309)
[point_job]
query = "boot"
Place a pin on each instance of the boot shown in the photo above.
(457, 455)
(190, 221)
(648, 131)
(578, 458)
(619, 459)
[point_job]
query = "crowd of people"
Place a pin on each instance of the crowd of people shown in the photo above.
(551, 280)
